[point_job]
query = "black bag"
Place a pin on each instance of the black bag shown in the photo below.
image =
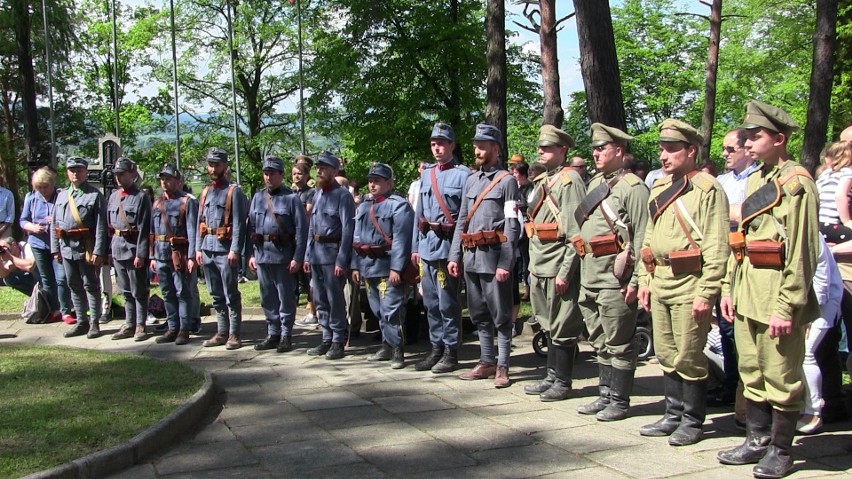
(36, 307)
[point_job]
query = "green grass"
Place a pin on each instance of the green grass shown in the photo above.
(58, 404)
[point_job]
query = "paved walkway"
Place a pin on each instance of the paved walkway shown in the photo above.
(293, 415)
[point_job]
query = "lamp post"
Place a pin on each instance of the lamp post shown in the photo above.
(115, 70)
(175, 85)
(233, 54)
(301, 80)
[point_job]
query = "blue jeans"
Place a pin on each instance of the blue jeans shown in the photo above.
(52, 277)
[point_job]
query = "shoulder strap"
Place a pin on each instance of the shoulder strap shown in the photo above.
(226, 221)
(272, 212)
(376, 223)
(683, 226)
(439, 197)
(762, 200)
(74, 211)
(121, 210)
(201, 218)
(594, 199)
(669, 195)
(161, 205)
(545, 193)
(482, 197)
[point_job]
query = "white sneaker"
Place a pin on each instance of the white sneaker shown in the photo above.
(809, 424)
(308, 320)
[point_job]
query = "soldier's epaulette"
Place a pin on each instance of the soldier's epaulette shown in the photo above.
(633, 180)
(791, 181)
(664, 181)
(703, 181)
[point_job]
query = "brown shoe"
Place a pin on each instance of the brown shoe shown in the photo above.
(123, 333)
(233, 342)
(218, 339)
(140, 334)
(482, 370)
(182, 338)
(501, 377)
(169, 337)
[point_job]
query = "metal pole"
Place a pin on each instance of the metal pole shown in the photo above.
(115, 71)
(49, 84)
(233, 90)
(301, 80)
(175, 86)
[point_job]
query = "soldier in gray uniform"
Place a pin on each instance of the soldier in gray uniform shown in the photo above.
(78, 240)
(221, 219)
(440, 197)
(278, 232)
(554, 264)
(328, 254)
(129, 216)
(487, 235)
(174, 227)
(382, 243)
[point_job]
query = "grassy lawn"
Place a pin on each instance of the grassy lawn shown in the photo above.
(58, 404)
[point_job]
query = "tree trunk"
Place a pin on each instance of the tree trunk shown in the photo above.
(21, 13)
(710, 78)
(553, 114)
(822, 77)
(599, 63)
(495, 82)
(455, 114)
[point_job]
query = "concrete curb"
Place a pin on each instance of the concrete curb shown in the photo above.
(205, 311)
(158, 436)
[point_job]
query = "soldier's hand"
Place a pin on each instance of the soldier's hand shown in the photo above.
(356, 276)
(57, 257)
(501, 275)
(306, 267)
(295, 266)
(727, 306)
(561, 286)
(252, 264)
(138, 263)
(190, 265)
(701, 311)
(339, 272)
(199, 257)
(394, 278)
(97, 260)
(453, 269)
(153, 266)
(233, 259)
(415, 258)
(629, 294)
(779, 327)
(645, 298)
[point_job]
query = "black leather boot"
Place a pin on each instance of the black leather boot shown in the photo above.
(694, 411)
(564, 363)
(545, 384)
(335, 352)
(383, 354)
(320, 349)
(285, 345)
(449, 362)
(397, 359)
(778, 462)
(94, 330)
(271, 342)
(79, 329)
(605, 378)
(432, 359)
(619, 396)
(673, 386)
(758, 424)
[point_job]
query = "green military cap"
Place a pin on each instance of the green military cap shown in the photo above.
(602, 134)
(762, 115)
(549, 135)
(676, 130)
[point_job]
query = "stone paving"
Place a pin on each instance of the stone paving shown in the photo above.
(294, 415)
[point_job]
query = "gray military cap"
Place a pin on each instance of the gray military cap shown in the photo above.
(273, 163)
(486, 132)
(216, 155)
(443, 130)
(602, 134)
(381, 170)
(762, 115)
(169, 170)
(124, 164)
(326, 158)
(75, 161)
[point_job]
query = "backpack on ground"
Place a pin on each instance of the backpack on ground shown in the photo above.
(36, 307)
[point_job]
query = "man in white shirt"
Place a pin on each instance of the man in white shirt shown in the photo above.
(739, 165)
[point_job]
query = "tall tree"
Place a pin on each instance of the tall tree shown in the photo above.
(21, 12)
(495, 82)
(599, 62)
(819, 103)
(709, 116)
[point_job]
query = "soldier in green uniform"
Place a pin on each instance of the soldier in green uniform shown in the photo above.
(768, 292)
(612, 220)
(685, 253)
(554, 264)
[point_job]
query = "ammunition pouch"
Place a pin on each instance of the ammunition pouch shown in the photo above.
(326, 239)
(482, 238)
(442, 230)
(766, 254)
(604, 245)
(547, 231)
(579, 245)
(648, 260)
(223, 233)
(736, 240)
(686, 261)
(371, 250)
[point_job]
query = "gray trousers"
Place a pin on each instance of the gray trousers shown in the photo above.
(330, 302)
(176, 295)
(277, 298)
(441, 300)
(136, 288)
(386, 303)
(85, 284)
(489, 303)
(222, 286)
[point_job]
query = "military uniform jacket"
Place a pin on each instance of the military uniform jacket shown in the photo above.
(498, 211)
(552, 259)
(450, 184)
(629, 200)
(188, 229)
(137, 209)
(288, 208)
(396, 217)
(332, 217)
(212, 213)
(92, 207)
(759, 293)
(707, 204)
